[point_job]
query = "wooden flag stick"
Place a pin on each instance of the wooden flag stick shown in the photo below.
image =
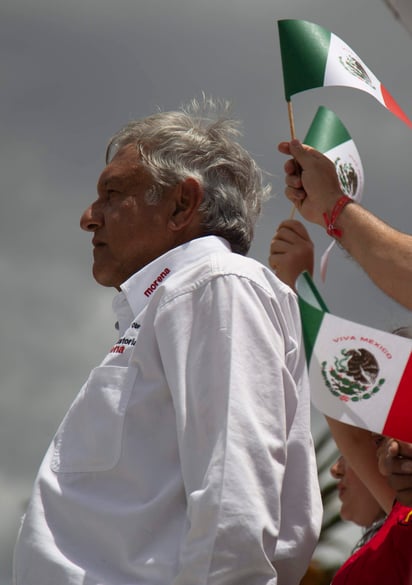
(293, 135)
(291, 121)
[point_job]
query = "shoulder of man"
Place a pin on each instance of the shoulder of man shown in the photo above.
(223, 264)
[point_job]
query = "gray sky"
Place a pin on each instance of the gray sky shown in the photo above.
(72, 73)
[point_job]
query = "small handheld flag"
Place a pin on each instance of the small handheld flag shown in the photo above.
(358, 375)
(328, 135)
(313, 57)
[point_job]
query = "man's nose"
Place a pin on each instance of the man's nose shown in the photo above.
(92, 218)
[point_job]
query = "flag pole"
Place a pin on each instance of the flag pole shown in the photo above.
(293, 136)
(291, 120)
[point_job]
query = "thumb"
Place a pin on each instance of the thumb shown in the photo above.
(304, 153)
(297, 150)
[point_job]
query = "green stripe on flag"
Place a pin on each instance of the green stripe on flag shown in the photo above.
(326, 131)
(312, 310)
(304, 49)
(308, 292)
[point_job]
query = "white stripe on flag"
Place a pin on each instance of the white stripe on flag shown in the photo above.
(345, 67)
(379, 360)
(308, 292)
(344, 156)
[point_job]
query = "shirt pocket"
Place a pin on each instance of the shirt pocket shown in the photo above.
(90, 436)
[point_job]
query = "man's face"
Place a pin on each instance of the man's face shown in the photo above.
(127, 232)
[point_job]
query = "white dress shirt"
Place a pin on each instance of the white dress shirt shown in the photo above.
(186, 458)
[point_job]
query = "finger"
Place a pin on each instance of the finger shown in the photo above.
(291, 167)
(391, 459)
(392, 448)
(398, 466)
(284, 148)
(404, 449)
(287, 234)
(301, 151)
(279, 246)
(296, 227)
(296, 196)
(405, 466)
(294, 181)
(292, 224)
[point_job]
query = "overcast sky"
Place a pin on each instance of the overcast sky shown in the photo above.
(72, 73)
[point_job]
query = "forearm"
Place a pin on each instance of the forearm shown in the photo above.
(357, 447)
(383, 252)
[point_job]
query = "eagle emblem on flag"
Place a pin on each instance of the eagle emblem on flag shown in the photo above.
(353, 375)
(348, 176)
(355, 68)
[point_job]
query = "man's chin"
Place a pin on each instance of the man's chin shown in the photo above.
(104, 279)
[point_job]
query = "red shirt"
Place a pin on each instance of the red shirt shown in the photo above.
(386, 559)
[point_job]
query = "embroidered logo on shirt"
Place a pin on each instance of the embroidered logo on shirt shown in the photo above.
(407, 519)
(156, 282)
(123, 342)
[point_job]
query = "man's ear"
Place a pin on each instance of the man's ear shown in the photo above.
(188, 196)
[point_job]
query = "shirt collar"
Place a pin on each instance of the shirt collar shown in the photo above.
(141, 285)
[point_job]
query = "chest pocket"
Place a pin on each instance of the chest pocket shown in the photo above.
(90, 436)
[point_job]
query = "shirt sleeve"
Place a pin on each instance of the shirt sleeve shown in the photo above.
(224, 347)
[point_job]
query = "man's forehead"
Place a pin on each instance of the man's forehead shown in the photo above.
(126, 156)
(126, 163)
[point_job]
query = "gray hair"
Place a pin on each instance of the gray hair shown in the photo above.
(200, 143)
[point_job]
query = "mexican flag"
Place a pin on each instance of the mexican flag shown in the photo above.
(358, 375)
(315, 57)
(328, 135)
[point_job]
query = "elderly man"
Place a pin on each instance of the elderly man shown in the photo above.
(186, 458)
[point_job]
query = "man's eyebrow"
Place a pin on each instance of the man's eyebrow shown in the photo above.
(109, 180)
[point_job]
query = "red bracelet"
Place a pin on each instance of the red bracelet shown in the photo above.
(331, 229)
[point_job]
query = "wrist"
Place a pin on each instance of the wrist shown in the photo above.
(331, 218)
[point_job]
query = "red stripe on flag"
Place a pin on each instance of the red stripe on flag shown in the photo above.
(394, 107)
(398, 423)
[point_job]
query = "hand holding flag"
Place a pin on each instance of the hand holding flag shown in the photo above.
(328, 135)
